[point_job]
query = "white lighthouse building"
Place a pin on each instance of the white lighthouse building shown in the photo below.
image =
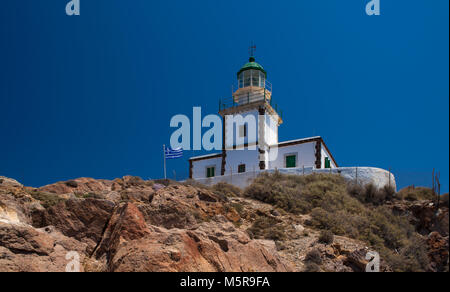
(250, 135)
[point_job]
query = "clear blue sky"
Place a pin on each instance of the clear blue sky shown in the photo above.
(93, 95)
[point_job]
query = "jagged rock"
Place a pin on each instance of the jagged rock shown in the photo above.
(5, 181)
(26, 249)
(184, 207)
(83, 186)
(438, 247)
(82, 219)
(428, 218)
(275, 213)
(357, 260)
(132, 246)
(127, 223)
(16, 204)
(143, 226)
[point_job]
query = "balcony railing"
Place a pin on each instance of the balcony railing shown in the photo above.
(249, 98)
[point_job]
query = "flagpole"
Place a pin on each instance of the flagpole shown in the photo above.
(164, 152)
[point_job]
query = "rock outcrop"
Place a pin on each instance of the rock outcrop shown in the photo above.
(129, 224)
(131, 245)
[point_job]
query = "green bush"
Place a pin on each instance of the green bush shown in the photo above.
(92, 196)
(47, 200)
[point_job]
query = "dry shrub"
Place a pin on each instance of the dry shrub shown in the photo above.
(312, 268)
(47, 200)
(412, 193)
(314, 256)
(444, 200)
(267, 228)
(226, 189)
(351, 211)
(326, 237)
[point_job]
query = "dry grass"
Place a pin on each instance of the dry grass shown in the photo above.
(336, 207)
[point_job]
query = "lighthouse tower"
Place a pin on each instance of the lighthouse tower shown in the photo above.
(250, 136)
(245, 144)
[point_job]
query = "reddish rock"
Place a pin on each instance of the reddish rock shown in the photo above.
(430, 219)
(184, 207)
(438, 247)
(194, 251)
(130, 245)
(26, 249)
(79, 185)
(82, 219)
(126, 224)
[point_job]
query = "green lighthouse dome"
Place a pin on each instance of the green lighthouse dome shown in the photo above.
(252, 65)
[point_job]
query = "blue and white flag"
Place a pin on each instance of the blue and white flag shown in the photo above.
(173, 153)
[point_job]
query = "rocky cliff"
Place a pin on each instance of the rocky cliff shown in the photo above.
(129, 224)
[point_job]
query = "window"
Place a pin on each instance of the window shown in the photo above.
(241, 80)
(291, 161)
(261, 79)
(247, 78)
(241, 168)
(243, 131)
(327, 162)
(210, 171)
(255, 78)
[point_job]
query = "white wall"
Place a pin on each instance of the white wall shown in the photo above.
(305, 155)
(236, 157)
(268, 125)
(199, 167)
(271, 130)
(232, 130)
(326, 154)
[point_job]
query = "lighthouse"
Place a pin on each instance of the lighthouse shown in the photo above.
(250, 141)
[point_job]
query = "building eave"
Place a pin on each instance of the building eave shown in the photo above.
(205, 157)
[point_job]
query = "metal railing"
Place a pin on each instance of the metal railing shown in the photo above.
(231, 102)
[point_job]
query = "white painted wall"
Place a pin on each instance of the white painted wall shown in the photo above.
(305, 158)
(199, 167)
(305, 155)
(236, 157)
(271, 130)
(326, 154)
(232, 130)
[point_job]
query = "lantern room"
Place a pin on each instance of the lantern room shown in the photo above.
(252, 74)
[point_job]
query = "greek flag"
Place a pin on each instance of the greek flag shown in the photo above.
(173, 153)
